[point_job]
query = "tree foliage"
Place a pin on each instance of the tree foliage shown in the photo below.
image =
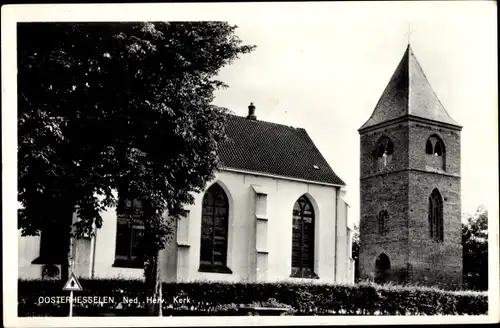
(118, 106)
(475, 250)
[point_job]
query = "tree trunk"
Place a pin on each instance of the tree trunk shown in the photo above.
(153, 297)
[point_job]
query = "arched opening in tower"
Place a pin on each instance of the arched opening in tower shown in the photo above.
(382, 269)
(383, 152)
(435, 153)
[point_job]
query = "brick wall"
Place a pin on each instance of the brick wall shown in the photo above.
(418, 133)
(399, 160)
(402, 187)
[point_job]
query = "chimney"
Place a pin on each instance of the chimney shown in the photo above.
(251, 112)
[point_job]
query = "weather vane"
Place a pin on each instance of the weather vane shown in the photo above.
(409, 32)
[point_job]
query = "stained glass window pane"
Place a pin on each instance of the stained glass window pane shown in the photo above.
(220, 201)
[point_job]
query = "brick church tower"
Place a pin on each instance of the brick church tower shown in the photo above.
(410, 224)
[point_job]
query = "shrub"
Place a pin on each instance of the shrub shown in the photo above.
(221, 298)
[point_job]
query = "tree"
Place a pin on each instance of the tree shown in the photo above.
(475, 250)
(118, 107)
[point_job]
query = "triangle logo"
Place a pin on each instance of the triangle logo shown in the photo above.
(73, 284)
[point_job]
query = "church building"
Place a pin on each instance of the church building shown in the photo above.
(410, 215)
(274, 212)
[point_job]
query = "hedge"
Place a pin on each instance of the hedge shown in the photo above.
(220, 298)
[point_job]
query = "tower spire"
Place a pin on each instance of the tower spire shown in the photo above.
(409, 93)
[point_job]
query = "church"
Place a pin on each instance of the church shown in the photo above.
(410, 201)
(274, 212)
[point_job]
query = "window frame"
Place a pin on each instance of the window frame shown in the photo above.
(304, 271)
(211, 266)
(125, 212)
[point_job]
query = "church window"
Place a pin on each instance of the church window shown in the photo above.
(303, 239)
(436, 216)
(382, 222)
(129, 232)
(214, 230)
(435, 152)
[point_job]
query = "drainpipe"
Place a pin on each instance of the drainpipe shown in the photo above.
(337, 192)
(71, 256)
(160, 313)
(93, 255)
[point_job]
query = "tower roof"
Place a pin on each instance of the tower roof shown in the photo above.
(409, 94)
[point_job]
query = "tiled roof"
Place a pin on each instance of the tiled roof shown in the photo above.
(409, 93)
(275, 149)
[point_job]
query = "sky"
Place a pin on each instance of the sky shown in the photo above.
(323, 67)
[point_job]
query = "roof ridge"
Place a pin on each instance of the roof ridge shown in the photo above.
(267, 122)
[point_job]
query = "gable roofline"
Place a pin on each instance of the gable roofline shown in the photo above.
(280, 177)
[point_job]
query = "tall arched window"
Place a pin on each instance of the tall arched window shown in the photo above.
(435, 152)
(436, 216)
(303, 239)
(214, 229)
(382, 222)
